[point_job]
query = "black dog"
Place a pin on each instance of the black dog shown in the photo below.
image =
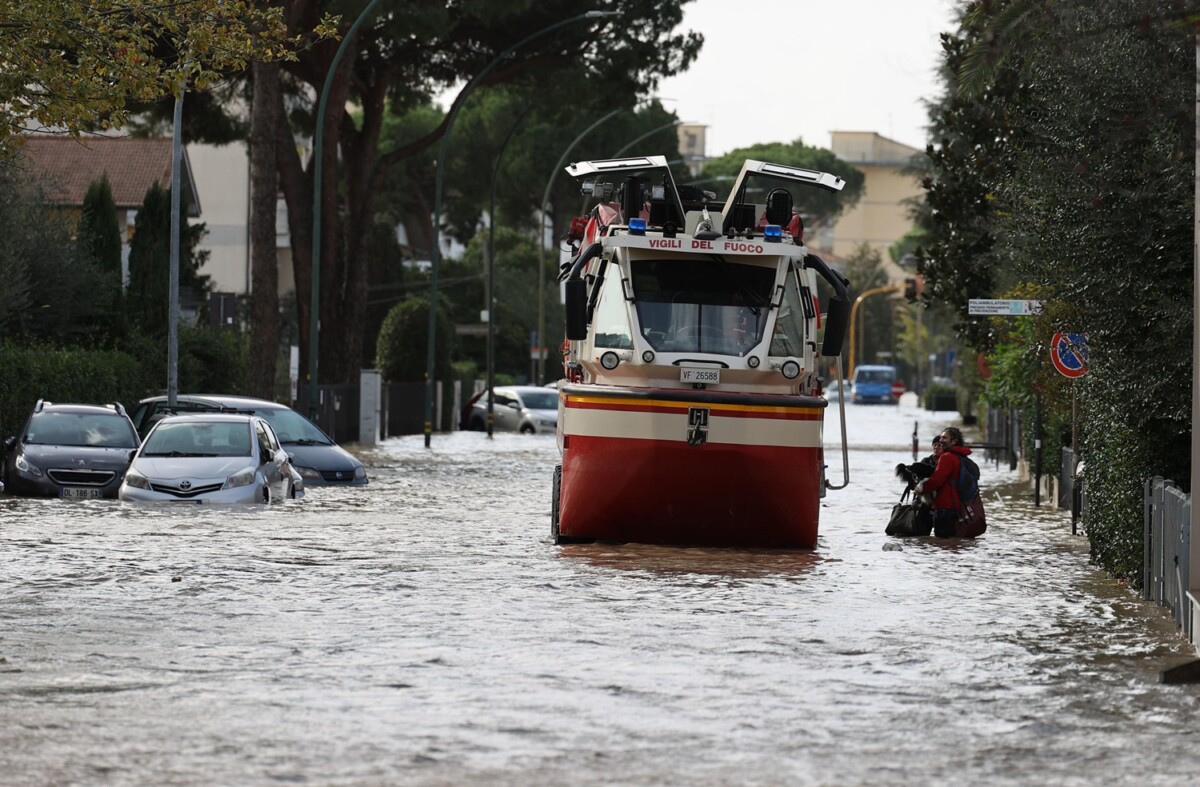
(912, 474)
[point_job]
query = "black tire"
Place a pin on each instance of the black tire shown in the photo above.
(267, 495)
(291, 491)
(555, 493)
(477, 425)
(526, 429)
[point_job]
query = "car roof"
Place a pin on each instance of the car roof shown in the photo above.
(225, 400)
(521, 388)
(98, 409)
(220, 418)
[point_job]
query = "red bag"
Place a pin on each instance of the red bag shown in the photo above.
(971, 520)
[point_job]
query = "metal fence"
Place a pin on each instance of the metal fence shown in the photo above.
(1165, 548)
(336, 411)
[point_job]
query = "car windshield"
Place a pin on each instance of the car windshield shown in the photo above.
(199, 438)
(875, 376)
(99, 430)
(537, 400)
(719, 307)
(291, 427)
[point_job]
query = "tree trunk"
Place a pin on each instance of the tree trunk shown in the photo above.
(264, 256)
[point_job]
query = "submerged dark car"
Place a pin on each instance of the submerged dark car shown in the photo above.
(74, 451)
(317, 458)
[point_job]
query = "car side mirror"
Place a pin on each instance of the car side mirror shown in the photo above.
(268, 455)
(132, 455)
(576, 303)
(10, 442)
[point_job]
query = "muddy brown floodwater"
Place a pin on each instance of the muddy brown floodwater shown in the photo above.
(425, 630)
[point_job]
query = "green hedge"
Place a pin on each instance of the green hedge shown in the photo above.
(65, 375)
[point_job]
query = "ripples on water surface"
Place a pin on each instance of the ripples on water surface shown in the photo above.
(425, 631)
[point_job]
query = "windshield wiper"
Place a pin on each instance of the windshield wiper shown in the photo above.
(177, 454)
(304, 441)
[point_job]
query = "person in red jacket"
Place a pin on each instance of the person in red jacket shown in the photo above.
(942, 484)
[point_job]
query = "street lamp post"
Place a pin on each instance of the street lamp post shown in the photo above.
(435, 253)
(173, 273)
(541, 329)
(491, 275)
(314, 322)
(854, 314)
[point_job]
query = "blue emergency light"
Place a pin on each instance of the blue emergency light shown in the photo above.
(637, 226)
(772, 233)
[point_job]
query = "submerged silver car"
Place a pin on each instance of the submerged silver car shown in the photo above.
(212, 458)
(317, 458)
(528, 409)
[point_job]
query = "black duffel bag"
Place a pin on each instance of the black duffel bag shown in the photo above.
(910, 519)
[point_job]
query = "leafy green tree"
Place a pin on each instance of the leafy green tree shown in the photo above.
(973, 136)
(873, 332)
(98, 234)
(403, 342)
(400, 61)
(98, 239)
(1067, 137)
(150, 259)
(47, 291)
(78, 63)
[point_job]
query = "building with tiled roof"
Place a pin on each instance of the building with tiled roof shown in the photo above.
(65, 167)
(216, 176)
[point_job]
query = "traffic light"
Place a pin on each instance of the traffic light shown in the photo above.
(910, 290)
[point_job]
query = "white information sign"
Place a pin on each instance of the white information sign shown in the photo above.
(1002, 307)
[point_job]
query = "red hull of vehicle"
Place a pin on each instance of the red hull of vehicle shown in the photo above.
(649, 488)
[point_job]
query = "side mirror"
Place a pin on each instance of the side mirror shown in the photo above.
(10, 442)
(268, 455)
(132, 455)
(576, 309)
(836, 322)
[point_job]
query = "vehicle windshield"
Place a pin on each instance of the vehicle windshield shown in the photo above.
(710, 307)
(874, 376)
(291, 427)
(199, 438)
(98, 430)
(536, 400)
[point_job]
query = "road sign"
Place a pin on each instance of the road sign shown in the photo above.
(1069, 353)
(897, 389)
(1001, 307)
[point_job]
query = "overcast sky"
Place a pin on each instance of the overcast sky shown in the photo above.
(777, 70)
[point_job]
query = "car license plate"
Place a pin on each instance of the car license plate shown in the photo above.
(705, 375)
(80, 493)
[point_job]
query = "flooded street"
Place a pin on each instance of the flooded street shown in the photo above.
(425, 630)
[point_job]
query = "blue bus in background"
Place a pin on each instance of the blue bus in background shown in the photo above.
(873, 384)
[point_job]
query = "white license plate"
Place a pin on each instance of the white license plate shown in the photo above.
(690, 374)
(80, 493)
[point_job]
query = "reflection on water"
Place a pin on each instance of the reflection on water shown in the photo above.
(653, 559)
(424, 630)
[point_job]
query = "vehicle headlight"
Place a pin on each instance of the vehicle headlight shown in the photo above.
(240, 478)
(136, 480)
(360, 472)
(25, 466)
(308, 473)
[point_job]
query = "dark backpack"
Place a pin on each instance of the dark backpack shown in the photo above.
(967, 484)
(971, 519)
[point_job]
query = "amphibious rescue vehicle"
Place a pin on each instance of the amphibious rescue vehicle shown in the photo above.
(691, 410)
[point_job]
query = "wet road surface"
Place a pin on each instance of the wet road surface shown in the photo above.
(425, 630)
